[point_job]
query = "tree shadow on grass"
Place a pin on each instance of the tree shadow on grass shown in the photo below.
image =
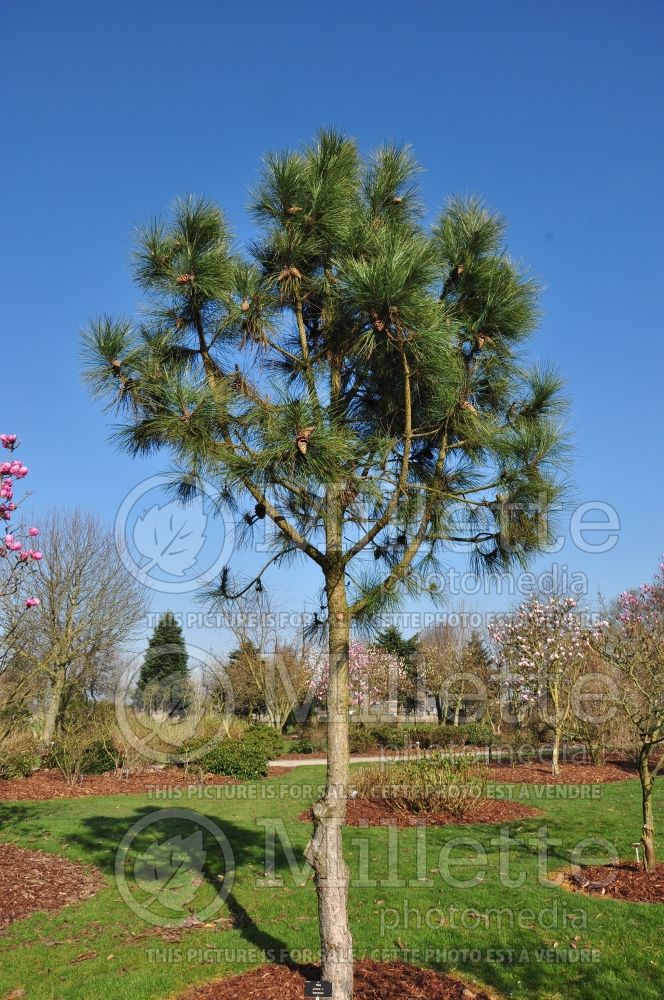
(101, 837)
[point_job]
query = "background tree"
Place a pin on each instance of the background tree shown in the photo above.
(88, 604)
(376, 679)
(484, 679)
(441, 663)
(245, 670)
(19, 557)
(163, 683)
(634, 644)
(392, 641)
(356, 380)
(542, 652)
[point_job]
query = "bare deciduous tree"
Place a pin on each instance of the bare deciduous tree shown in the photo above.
(89, 604)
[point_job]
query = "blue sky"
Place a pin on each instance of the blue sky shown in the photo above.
(551, 112)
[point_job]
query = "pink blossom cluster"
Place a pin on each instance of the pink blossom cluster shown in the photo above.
(540, 642)
(10, 472)
(644, 608)
(373, 674)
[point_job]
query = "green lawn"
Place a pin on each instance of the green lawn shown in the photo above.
(618, 946)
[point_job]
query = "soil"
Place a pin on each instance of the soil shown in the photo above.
(33, 881)
(378, 812)
(43, 785)
(625, 880)
(373, 981)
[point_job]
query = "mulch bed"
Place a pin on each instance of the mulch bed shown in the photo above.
(44, 785)
(379, 812)
(625, 880)
(33, 881)
(373, 981)
(539, 773)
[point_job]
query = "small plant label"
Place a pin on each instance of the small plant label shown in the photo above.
(318, 988)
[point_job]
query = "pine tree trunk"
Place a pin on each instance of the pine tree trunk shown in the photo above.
(325, 850)
(54, 700)
(648, 835)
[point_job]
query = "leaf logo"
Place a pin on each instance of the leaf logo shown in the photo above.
(171, 871)
(170, 537)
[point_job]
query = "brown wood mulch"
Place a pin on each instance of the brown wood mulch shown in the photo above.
(373, 981)
(47, 784)
(33, 881)
(539, 773)
(379, 812)
(623, 880)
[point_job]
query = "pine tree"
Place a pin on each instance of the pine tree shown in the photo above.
(392, 641)
(356, 378)
(163, 684)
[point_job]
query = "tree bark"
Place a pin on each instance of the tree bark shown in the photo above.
(648, 835)
(54, 701)
(555, 753)
(325, 850)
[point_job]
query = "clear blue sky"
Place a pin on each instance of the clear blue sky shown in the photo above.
(552, 112)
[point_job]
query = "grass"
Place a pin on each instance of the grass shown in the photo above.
(100, 947)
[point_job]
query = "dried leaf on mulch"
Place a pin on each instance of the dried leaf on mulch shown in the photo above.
(378, 812)
(33, 881)
(373, 981)
(43, 785)
(625, 880)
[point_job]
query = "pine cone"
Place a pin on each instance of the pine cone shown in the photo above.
(302, 439)
(183, 279)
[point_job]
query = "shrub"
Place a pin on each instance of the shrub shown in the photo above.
(478, 734)
(315, 734)
(241, 759)
(75, 755)
(267, 739)
(98, 757)
(448, 737)
(301, 745)
(360, 738)
(423, 733)
(427, 785)
(389, 736)
(17, 764)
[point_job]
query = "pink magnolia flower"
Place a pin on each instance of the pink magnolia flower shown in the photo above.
(33, 531)
(7, 440)
(32, 602)
(37, 555)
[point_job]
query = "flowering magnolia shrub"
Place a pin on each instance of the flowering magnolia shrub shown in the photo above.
(543, 651)
(541, 641)
(15, 546)
(375, 676)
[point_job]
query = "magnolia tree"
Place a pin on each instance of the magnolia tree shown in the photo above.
(356, 379)
(17, 558)
(541, 651)
(634, 645)
(376, 679)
